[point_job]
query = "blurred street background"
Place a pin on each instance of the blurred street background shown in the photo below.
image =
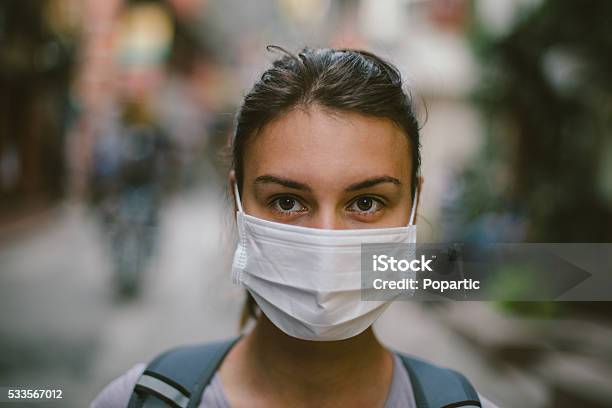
(115, 224)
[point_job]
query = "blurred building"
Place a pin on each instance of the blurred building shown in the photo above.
(37, 58)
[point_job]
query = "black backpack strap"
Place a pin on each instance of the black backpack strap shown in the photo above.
(178, 377)
(437, 387)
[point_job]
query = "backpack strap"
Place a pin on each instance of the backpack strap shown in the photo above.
(178, 377)
(437, 387)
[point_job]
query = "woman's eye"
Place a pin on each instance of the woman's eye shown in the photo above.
(287, 204)
(366, 205)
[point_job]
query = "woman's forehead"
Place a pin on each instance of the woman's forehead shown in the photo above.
(328, 147)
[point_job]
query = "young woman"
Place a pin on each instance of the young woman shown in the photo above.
(325, 157)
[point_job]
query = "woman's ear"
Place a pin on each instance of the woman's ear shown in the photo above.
(231, 178)
(420, 182)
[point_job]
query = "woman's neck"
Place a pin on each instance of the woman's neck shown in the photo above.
(354, 370)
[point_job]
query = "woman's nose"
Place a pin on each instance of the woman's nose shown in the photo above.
(328, 219)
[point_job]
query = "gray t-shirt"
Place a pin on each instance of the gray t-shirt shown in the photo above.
(117, 394)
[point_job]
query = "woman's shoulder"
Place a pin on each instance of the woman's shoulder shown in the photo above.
(118, 392)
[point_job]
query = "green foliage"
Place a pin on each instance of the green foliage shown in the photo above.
(546, 97)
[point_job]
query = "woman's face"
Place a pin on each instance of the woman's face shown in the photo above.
(333, 171)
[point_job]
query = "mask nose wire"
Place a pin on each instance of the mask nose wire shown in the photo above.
(237, 197)
(413, 211)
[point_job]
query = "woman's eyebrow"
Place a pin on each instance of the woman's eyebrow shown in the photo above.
(372, 182)
(268, 178)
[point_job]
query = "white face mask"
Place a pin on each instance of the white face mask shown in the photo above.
(307, 281)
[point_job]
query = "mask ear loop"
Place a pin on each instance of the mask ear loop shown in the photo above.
(414, 204)
(237, 197)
